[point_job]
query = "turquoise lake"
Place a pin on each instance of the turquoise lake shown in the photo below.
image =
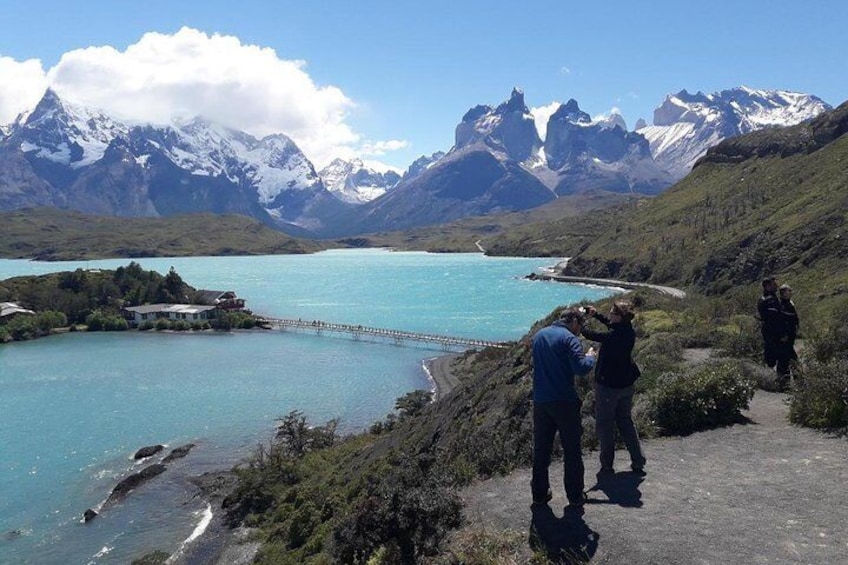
(75, 407)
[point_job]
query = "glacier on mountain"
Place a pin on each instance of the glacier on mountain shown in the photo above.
(355, 182)
(686, 125)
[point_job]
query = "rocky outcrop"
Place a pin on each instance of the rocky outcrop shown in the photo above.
(178, 452)
(123, 488)
(148, 451)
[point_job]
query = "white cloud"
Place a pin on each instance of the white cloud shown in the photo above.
(606, 115)
(21, 86)
(189, 73)
(541, 115)
(565, 70)
(379, 148)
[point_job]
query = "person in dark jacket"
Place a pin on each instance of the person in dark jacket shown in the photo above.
(557, 359)
(791, 324)
(615, 374)
(773, 329)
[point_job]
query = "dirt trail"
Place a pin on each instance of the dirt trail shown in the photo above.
(763, 492)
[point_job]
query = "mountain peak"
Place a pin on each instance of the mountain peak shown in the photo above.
(514, 104)
(685, 124)
(47, 107)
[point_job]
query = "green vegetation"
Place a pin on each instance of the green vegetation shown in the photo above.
(713, 395)
(95, 295)
(462, 235)
(820, 392)
(94, 299)
(49, 234)
(24, 327)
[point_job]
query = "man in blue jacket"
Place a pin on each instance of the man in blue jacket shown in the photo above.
(557, 358)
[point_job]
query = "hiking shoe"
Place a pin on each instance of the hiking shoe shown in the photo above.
(543, 500)
(605, 472)
(638, 470)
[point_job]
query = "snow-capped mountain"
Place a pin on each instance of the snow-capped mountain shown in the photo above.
(499, 163)
(508, 131)
(686, 125)
(356, 183)
(582, 154)
(65, 155)
(64, 133)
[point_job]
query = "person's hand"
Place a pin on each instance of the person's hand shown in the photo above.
(591, 352)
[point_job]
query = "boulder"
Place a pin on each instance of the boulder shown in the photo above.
(89, 515)
(178, 452)
(148, 451)
(124, 487)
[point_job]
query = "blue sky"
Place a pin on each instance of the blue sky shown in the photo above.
(389, 80)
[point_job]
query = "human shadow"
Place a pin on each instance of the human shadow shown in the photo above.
(620, 488)
(564, 541)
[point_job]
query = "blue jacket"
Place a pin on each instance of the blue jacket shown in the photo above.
(557, 358)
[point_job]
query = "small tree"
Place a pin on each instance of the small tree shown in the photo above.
(413, 402)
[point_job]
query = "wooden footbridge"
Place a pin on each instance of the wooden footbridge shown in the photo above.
(358, 332)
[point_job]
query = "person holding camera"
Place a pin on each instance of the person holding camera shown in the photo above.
(558, 358)
(615, 374)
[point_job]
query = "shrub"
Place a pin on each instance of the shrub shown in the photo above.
(406, 517)
(146, 325)
(163, 324)
(99, 321)
(820, 398)
(661, 353)
(832, 341)
(742, 338)
(22, 328)
(714, 395)
(296, 438)
(50, 319)
(413, 402)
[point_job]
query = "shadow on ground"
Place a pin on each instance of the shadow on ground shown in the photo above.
(619, 488)
(564, 541)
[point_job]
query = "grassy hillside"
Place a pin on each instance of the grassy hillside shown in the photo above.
(462, 235)
(773, 202)
(50, 234)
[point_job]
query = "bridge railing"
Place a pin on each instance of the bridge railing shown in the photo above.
(399, 336)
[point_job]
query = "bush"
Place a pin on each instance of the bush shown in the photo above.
(405, 517)
(820, 398)
(146, 325)
(98, 321)
(714, 395)
(742, 338)
(658, 354)
(832, 341)
(163, 324)
(50, 319)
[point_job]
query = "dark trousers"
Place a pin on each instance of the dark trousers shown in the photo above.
(777, 354)
(613, 409)
(548, 419)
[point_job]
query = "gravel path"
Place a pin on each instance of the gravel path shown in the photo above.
(763, 492)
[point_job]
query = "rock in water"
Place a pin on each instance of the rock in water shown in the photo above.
(124, 487)
(178, 452)
(148, 451)
(89, 515)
